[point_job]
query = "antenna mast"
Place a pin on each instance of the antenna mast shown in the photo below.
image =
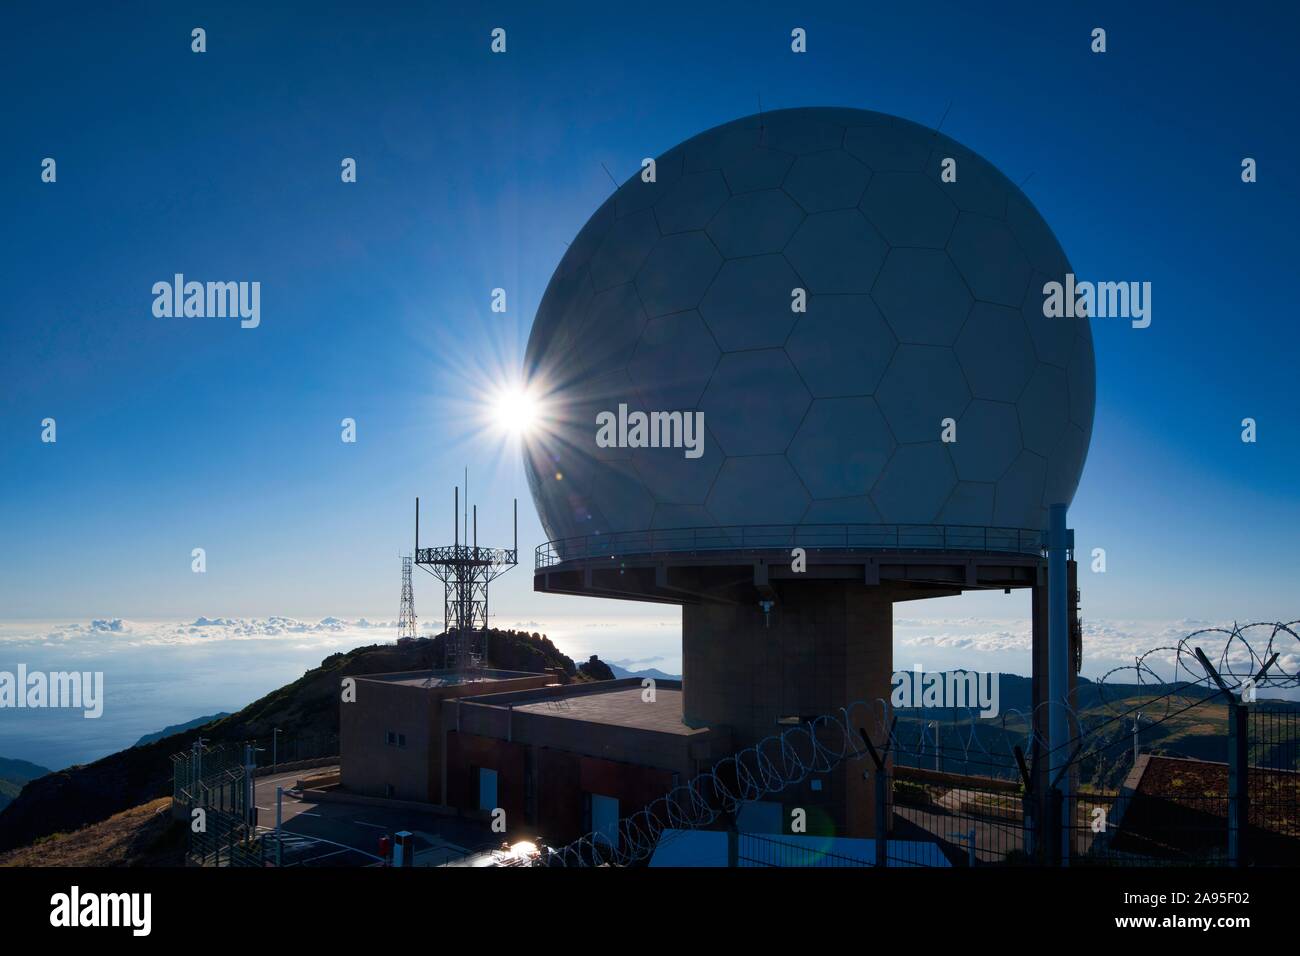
(406, 618)
(465, 571)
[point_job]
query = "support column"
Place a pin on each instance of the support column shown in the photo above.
(823, 645)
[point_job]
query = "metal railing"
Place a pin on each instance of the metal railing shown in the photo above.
(850, 537)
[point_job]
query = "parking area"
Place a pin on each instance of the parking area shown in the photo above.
(345, 834)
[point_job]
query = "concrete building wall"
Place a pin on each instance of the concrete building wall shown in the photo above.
(825, 644)
(401, 704)
(370, 765)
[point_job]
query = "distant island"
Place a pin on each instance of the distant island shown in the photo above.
(179, 728)
(15, 773)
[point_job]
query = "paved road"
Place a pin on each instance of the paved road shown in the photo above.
(346, 834)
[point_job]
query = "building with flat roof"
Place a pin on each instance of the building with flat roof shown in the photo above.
(560, 760)
(571, 760)
(390, 733)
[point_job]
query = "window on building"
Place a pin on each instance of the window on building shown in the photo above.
(391, 738)
(401, 740)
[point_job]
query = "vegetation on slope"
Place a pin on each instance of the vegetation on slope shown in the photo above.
(141, 836)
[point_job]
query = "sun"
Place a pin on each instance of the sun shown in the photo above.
(515, 410)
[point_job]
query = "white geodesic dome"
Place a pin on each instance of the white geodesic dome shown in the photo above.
(924, 302)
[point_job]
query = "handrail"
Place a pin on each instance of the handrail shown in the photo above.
(849, 537)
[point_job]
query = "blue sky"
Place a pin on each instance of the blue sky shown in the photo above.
(474, 170)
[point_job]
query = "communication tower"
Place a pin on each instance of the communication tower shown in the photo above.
(465, 571)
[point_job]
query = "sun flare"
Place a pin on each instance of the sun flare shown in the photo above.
(515, 410)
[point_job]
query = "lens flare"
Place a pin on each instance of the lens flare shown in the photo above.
(515, 410)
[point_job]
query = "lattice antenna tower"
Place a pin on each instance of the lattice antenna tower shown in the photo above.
(465, 571)
(406, 630)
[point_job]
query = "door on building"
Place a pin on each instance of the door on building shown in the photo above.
(487, 789)
(604, 818)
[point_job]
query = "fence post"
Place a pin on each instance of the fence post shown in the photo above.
(279, 818)
(882, 825)
(1053, 827)
(1028, 805)
(1238, 760)
(1238, 782)
(882, 790)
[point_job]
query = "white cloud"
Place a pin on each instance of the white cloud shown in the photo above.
(108, 634)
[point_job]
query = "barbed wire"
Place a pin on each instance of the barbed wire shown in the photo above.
(818, 746)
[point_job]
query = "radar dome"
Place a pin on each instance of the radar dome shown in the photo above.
(801, 307)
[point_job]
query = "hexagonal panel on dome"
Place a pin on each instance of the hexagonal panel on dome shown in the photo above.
(989, 259)
(673, 361)
(1064, 466)
(1053, 336)
(573, 412)
(979, 188)
(748, 306)
(915, 484)
(754, 402)
(971, 503)
(841, 345)
(585, 243)
(565, 476)
(622, 497)
(988, 441)
(1035, 237)
(636, 195)
(909, 210)
(556, 328)
(922, 296)
(751, 224)
(1044, 409)
(837, 252)
(763, 485)
(995, 352)
(1017, 501)
(922, 386)
(675, 479)
(856, 510)
(820, 182)
(888, 149)
(690, 202)
(754, 169)
(613, 327)
(623, 250)
(801, 131)
(682, 516)
(713, 148)
(677, 273)
(841, 447)
(1082, 376)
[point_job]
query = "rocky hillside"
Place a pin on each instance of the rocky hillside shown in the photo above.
(142, 836)
(70, 799)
